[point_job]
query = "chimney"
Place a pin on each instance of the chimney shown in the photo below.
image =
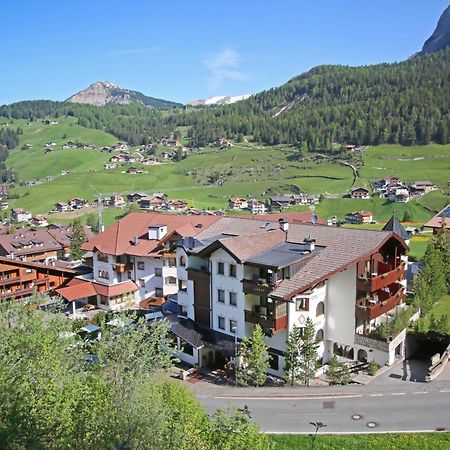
(284, 224)
(135, 240)
(309, 243)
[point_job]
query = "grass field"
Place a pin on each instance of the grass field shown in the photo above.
(248, 170)
(410, 441)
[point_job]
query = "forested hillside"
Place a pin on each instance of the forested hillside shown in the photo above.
(403, 103)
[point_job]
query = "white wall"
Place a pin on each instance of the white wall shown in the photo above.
(106, 266)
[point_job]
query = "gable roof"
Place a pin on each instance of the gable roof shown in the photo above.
(441, 216)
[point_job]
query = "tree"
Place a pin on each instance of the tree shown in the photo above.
(77, 239)
(292, 355)
(337, 373)
(406, 216)
(254, 359)
(308, 353)
(92, 222)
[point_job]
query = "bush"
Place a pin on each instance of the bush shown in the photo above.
(373, 368)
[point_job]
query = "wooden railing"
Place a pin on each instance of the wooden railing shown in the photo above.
(256, 287)
(382, 280)
(367, 310)
(269, 324)
(122, 267)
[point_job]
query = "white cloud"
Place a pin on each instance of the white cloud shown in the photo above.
(223, 66)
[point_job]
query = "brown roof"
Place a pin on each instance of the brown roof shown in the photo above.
(84, 288)
(291, 217)
(118, 238)
(436, 221)
(26, 242)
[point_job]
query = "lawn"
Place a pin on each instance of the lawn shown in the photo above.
(247, 170)
(410, 441)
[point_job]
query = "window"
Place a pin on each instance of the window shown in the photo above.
(102, 257)
(104, 300)
(172, 262)
(158, 272)
(233, 298)
(319, 336)
(187, 348)
(273, 361)
(221, 322)
(103, 274)
(221, 268)
(233, 326)
(320, 310)
(182, 261)
(302, 304)
(141, 283)
(233, 270)
(182, 285)
(170, 280)
(159, 292)
(141, 265)
(221, 295)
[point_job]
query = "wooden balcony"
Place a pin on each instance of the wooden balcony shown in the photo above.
(9, 280)
(382, 280)
(260, 288)
(271, 325)
(369, 309)
(122, 267)
(202, 273)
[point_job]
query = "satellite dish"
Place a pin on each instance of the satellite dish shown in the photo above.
(314, 219)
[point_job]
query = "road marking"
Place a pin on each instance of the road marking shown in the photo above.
(420, 392)
(335, 397)
(444, 390)
(398, 393)
(376, 395)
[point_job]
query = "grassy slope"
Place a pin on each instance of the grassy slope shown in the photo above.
(413, 441)
(248, 170)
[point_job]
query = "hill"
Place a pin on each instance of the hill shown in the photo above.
(440, 38)
(104, 92)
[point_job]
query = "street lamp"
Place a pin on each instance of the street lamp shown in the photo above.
(317, 425)
(234, 330)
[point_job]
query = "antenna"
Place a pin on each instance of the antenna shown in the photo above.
(314, 218)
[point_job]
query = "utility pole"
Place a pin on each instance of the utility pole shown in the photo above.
(99, 198)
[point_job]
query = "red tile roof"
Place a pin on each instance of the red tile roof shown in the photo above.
(291, 217)
(436, 221)
(118, 238)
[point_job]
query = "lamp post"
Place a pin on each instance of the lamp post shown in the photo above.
(317, 425)
(234, 330)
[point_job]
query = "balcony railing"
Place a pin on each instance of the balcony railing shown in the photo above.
(382, 280)
(257, 287)
(369, 309)
(122, 267)
(201, 273)
(270, 325)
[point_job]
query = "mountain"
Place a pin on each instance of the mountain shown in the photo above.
(219, 100)
(104, 92)
(441, 35)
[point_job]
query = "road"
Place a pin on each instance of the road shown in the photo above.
(355, 409)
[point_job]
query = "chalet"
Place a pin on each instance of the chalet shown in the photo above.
(421, 187)
(223, 143)
(20, 215)
(62, 207)
(116, 200)
(170, 142)
(152, 202)
(350, 147)
(148, 161)
(398, 193)
(235, 203)
(109, 166)
(135, 197)
(256, 206)
(361, 193)
(39, 221)
(359, 217)
(176, 205)
(278, 202)
(77, 203)
(441, 219)
(133, 170)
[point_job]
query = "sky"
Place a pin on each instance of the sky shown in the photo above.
(184, 50)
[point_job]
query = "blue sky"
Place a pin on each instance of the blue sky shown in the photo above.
(183, 50)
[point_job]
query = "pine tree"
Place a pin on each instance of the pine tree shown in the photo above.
(292, 355)
(77, 239)
(254, 359)
(308, 353)
(333, 371)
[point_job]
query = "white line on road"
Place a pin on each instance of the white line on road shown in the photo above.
(398, 393)
(334, 397)
(444, 390)
(376, 395)
(420, 392)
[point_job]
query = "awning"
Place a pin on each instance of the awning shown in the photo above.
(171, 306)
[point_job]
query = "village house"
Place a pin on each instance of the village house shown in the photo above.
(116, 200)
(256, 206)
(170, 142)
(237, 273)
(77, 203)
(20, 215)
(39, 221)
(360, 193)
(62, 207)
(236, 203)
(109, 166)
(135, 197)
(359, 217)
(133, 170)
(278, 202)
(398, 194)
(153, 202)
(223, 143)
(176, 205)
(133, 261)
(421, 187)
(442, 218)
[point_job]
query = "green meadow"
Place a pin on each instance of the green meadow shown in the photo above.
(247, 170)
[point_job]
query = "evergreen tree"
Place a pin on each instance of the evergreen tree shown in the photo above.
(254, 359)
(77, 239)
(92, 222)
(338, 373)
(308, 353)
(292, 355)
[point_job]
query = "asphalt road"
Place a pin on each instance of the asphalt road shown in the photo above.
(423, 407)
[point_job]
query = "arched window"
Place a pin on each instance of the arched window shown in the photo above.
(182, 261)
(349, 352)
(320, 310)
(362, 355)
(338, 349)
(319, 336)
